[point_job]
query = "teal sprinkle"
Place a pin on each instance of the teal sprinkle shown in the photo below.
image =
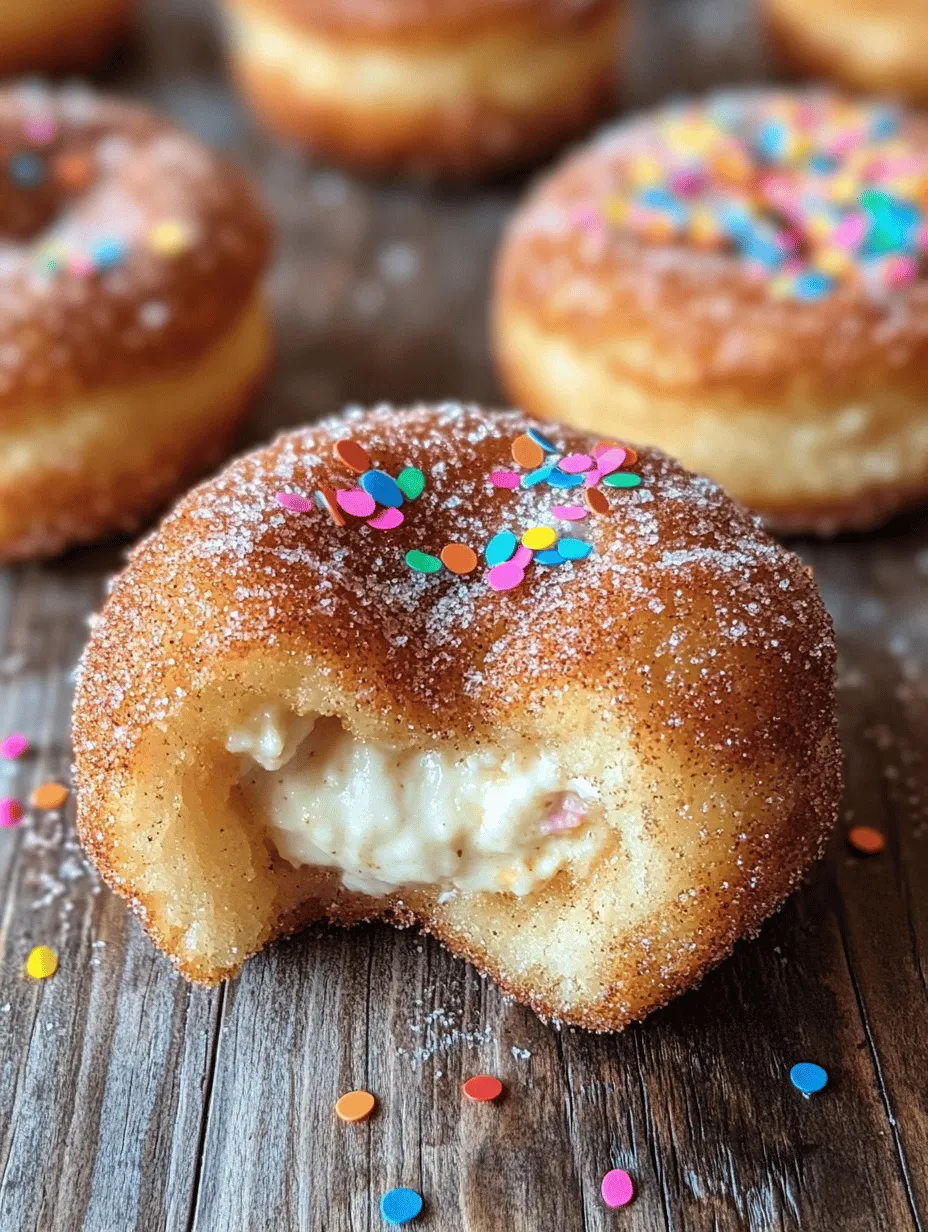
(411, 482)
(622, 479)
(421, 562)
(501, 548)
(574, 549)
(535, 477)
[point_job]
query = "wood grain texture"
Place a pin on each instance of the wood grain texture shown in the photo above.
(132, 1101)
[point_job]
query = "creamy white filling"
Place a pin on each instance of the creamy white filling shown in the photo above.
(388, 818)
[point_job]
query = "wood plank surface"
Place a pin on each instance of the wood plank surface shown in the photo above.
(130, 1100)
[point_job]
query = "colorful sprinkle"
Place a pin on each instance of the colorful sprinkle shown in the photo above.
(41, 963)
(596, 501)
(570, 513)
(14, 746)
(358, 503)
(558, 479)
(73, 171)
(535, 477)
(352, 455)
(622, 479)
(49, 796)
(400, 1205)
(325, 498)
(169, 238)
(617, 1188)
(522, 557)
(609, 460)
(526, 452)
(459, 558)
(40, 130)
(422, 562)
(575, 463)
(808, 1077)
(26, 170)
(550, 557)
(11, 812)
(505, 479)
(294, 502)
(411, 482)
(574, 549)
(483, 1088)
(382, 487)
(866, 840)
(388, 519)
(539, 537)
(355, 1106)
(540, 439)
(505, 576)
(500, 548)
(107, 253)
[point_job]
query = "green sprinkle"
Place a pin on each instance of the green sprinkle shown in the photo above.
(422, 562)
(411, 482)
(622, 479)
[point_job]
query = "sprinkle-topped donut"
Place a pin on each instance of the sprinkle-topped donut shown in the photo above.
(128, 252)
(742, 280)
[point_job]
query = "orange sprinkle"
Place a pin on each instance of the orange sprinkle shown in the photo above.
(866, 840)
(49, 796)
(327, 500)
(483, 1088)
(596, 501)
(527, 453)
(73, 171)
(458, 557)
(352, 455)
(355, 1106)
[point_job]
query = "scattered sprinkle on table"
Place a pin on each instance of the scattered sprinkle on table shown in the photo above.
(459, 558)
(41, 963)
(11, 812)
(482, 1088)
(294, 502)
(400, 1205)
(422, 562)
(49, 796)
(808, 1077)
(866, 840)
(14, 746)
(411, 482)
(617, 1188)
(352, 455)
(355, 1106)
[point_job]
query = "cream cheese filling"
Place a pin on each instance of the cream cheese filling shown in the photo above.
(487, 821)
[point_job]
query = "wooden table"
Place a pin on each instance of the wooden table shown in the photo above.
(132, 1100)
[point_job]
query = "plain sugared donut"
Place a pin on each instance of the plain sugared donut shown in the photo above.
(588, 776)
(742, 282)
(877, 45)
(48, 35)
(132, 332)
(460, 88)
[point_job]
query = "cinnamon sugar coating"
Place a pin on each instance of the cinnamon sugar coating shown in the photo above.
(688, 639)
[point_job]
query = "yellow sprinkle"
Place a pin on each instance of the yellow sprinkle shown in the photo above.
(41, 963)
(539, 538)
(644, 169)
(615, 210)
(169, 239)
(703, 227)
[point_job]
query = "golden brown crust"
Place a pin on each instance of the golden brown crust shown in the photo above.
(689, 634)
(35, 39)
(70, 325)
(426, 19)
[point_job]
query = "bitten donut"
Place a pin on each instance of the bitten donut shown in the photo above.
(460, 88)
(878, 45)
(132, 329)
(742, 282)
(47, 35)
(566, 706)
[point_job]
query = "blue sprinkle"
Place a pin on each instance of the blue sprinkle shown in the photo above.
(400, 1205)
(550, 556)
(107, 252)
(385, 491)
(574, 549)
(884, 124)
(808, 1078)
(535, 477)
(541, 440)
(26, 170)
(764, 251)
(811, 286)
(772, 141)
(560, 479)
(823, 164)
(501, 547)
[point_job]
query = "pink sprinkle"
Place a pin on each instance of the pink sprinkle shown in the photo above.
(11, 812)
(505, 479)
(850, 232)
(593, 477)
(14, 746)
(293, 502)
(506, 575)
(610, 460)
(80, 265)
(40, 129)
(387, 520)
(356, 501)
(586, 217)
(900, 271)
(617, 1188)
(521, 557)
(561, 820)
(569, 513)
(575, 463)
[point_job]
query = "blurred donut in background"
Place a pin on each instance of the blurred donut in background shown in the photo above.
(54, 35)
(456, 88)
(874, 45)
